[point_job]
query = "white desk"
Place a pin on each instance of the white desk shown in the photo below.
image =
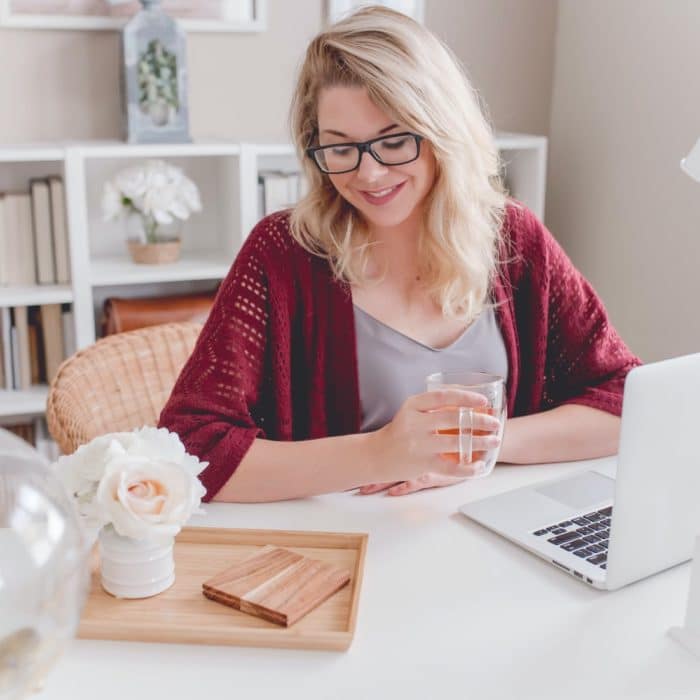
(448, 610)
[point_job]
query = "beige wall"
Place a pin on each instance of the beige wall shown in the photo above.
(625, 109)
(57, 85)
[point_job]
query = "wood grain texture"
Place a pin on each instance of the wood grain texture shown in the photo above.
(183, 615)
(276, 584)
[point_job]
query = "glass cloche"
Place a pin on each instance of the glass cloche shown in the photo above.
(44, 571)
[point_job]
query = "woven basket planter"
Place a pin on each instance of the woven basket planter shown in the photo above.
(155, 253)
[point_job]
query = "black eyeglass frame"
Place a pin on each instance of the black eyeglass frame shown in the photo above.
(364, 147)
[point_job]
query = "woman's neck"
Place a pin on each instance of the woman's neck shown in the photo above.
(394, 253)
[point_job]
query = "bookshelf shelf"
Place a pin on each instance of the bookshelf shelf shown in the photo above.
(35, 295)
(113, 271)
(119, 149)
(27, 153)
(23, 404)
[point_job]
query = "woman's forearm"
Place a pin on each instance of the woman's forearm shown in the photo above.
(565, 433)
(275, 471)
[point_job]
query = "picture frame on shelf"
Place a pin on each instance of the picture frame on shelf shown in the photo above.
(337, 9)
(194, 15)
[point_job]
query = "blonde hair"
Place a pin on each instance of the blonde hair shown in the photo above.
(413, 77)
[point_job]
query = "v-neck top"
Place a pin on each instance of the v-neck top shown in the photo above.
(392, 366)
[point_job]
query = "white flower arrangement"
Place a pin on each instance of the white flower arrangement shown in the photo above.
(143, 483)
(158, 192)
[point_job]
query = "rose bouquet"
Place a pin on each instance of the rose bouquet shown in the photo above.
(157, 192)
(139, 489)
(143, 483)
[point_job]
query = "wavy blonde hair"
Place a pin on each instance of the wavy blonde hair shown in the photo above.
(413, 77)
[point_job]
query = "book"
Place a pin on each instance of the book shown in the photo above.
(14, 342)
(6, 338)
(25, 262)
(280, 190)
(19, 242)
(36, 351)
(68, 326)
(23, 378)
(59, 228)
(4, 244)
(52, 335)
(43, 235)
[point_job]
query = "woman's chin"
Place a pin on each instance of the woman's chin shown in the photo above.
(384, 219)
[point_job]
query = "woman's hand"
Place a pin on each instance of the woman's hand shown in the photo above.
(429, 480)
(414, 451)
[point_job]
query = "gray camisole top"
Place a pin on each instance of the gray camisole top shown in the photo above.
(392, 366)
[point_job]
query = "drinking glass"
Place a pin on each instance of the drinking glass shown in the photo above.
(492, 387)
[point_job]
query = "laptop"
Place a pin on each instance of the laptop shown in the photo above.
(611, 531)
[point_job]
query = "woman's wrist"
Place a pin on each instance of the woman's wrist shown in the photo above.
(509, 442)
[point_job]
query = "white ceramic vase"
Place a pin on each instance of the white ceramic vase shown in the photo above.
(132, 568)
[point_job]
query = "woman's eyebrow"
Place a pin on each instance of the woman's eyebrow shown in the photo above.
(345, 136)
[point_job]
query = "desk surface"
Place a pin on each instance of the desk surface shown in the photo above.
(491, 621)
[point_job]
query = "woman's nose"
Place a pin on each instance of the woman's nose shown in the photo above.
(370, 169)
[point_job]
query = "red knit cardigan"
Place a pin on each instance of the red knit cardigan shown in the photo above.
(277, 357)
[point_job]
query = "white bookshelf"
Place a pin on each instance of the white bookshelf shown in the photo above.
(227, 176)
(21, 405)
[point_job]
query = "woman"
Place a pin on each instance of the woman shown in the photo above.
(404, 237)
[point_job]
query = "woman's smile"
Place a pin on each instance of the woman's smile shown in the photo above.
(382, 196)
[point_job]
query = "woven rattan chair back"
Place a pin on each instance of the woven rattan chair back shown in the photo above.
(120, 383)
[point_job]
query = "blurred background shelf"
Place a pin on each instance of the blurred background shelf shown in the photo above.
(35, 295)
(119, 270)
(23, 404)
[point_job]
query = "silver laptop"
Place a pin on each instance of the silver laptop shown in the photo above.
(609, 532)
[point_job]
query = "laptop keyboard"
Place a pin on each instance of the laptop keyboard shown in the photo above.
(586, 536)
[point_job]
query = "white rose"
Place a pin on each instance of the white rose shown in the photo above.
(112, 206)
(161, 444)
(145, 498)
(132, 182)
(81, 471)
(189, 194)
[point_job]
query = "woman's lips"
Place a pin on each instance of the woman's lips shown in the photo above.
(386, 194)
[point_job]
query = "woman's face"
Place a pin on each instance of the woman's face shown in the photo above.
(387, 196)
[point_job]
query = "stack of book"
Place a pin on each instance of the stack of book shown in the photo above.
(33, 234)
(34, 340)
(279, 189)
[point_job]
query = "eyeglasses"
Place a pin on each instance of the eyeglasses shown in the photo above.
(396, 149)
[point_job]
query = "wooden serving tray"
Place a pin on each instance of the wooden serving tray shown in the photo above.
(183, 615)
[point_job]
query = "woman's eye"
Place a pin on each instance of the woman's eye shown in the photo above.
(394, 144)
(342, 151)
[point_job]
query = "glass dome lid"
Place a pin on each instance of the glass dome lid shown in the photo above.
(44, 572)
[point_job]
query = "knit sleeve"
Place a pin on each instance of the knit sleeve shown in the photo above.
(212, 406)
(586, 360)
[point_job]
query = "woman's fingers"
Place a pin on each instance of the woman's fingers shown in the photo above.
(448, 419)
(430, 400)
(429, 480)
(368, 489)
(450, 443)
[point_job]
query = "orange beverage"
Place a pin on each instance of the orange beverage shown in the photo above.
(492, 387)
(477, 455)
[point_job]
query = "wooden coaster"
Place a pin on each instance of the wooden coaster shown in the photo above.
(276, 584)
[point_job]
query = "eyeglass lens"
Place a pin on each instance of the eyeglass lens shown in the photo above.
(392, 150)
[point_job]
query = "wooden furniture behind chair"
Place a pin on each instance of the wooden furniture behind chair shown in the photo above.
(120, 383)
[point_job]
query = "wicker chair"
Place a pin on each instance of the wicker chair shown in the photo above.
(119, 383)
